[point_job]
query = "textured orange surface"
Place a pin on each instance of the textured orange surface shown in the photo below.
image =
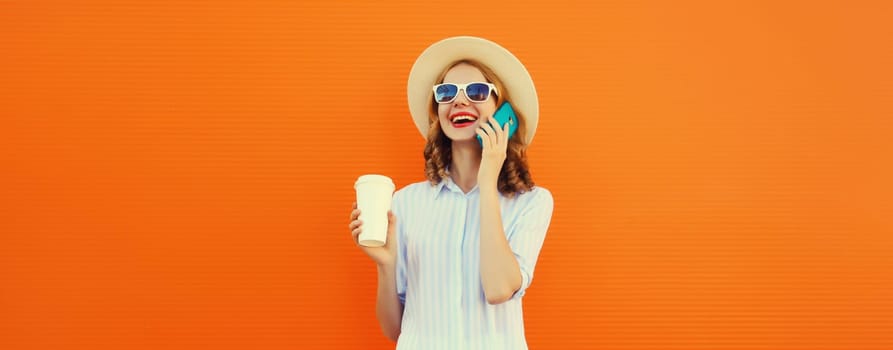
(179, 176)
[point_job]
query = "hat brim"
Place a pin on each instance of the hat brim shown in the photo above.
(504, 64)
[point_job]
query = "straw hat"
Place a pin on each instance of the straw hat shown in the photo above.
(507, 67)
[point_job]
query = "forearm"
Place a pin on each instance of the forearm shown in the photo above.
(500, 273)
(388, 308)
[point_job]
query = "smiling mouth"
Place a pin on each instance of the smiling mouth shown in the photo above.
(461, 121)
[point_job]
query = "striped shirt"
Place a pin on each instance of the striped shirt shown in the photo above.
(438, 266)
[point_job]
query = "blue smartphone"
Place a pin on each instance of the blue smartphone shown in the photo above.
(504, 114)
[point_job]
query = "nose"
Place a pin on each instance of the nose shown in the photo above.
(461, 98)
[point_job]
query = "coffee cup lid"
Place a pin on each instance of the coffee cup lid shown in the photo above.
(374, 178)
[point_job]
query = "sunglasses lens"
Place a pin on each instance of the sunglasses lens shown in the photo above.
(477, 92)
(445, 92)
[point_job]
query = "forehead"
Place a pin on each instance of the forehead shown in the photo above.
(463, 73)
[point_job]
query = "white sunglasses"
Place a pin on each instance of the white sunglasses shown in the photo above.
(476, 92)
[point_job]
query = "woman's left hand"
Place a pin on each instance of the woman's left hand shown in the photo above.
(493, 155)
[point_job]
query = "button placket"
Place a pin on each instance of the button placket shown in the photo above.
(463, 246)
(460, 252)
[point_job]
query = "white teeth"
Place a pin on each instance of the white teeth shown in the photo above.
(464, 118)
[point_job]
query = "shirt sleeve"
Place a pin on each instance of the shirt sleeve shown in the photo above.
(397, 209)
(526, 236)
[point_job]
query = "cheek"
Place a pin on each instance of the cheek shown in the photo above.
(487, 109)
(443, 111)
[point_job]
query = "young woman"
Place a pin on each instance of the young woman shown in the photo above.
(462, 253)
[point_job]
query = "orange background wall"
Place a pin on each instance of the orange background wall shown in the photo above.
(179, 176)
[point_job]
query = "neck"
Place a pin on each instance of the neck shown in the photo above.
(465, 163)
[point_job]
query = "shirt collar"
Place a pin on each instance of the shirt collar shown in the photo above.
(447, 184)
(440, 186)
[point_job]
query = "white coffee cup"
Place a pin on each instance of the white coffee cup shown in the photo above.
(374, 194)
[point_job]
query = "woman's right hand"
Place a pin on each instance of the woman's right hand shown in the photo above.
(385, 255)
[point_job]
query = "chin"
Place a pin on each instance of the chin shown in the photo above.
(460, 135)
(453, 134)
(465, 140)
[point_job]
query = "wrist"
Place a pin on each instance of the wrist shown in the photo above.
(488, 187)
(386, 267)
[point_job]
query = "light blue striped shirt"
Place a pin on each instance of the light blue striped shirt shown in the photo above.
(438, 266)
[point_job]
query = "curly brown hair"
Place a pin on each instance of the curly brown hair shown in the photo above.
(514, 178)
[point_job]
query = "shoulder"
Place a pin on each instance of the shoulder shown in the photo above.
(414, 192)
(538, 198)
(537, 194)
